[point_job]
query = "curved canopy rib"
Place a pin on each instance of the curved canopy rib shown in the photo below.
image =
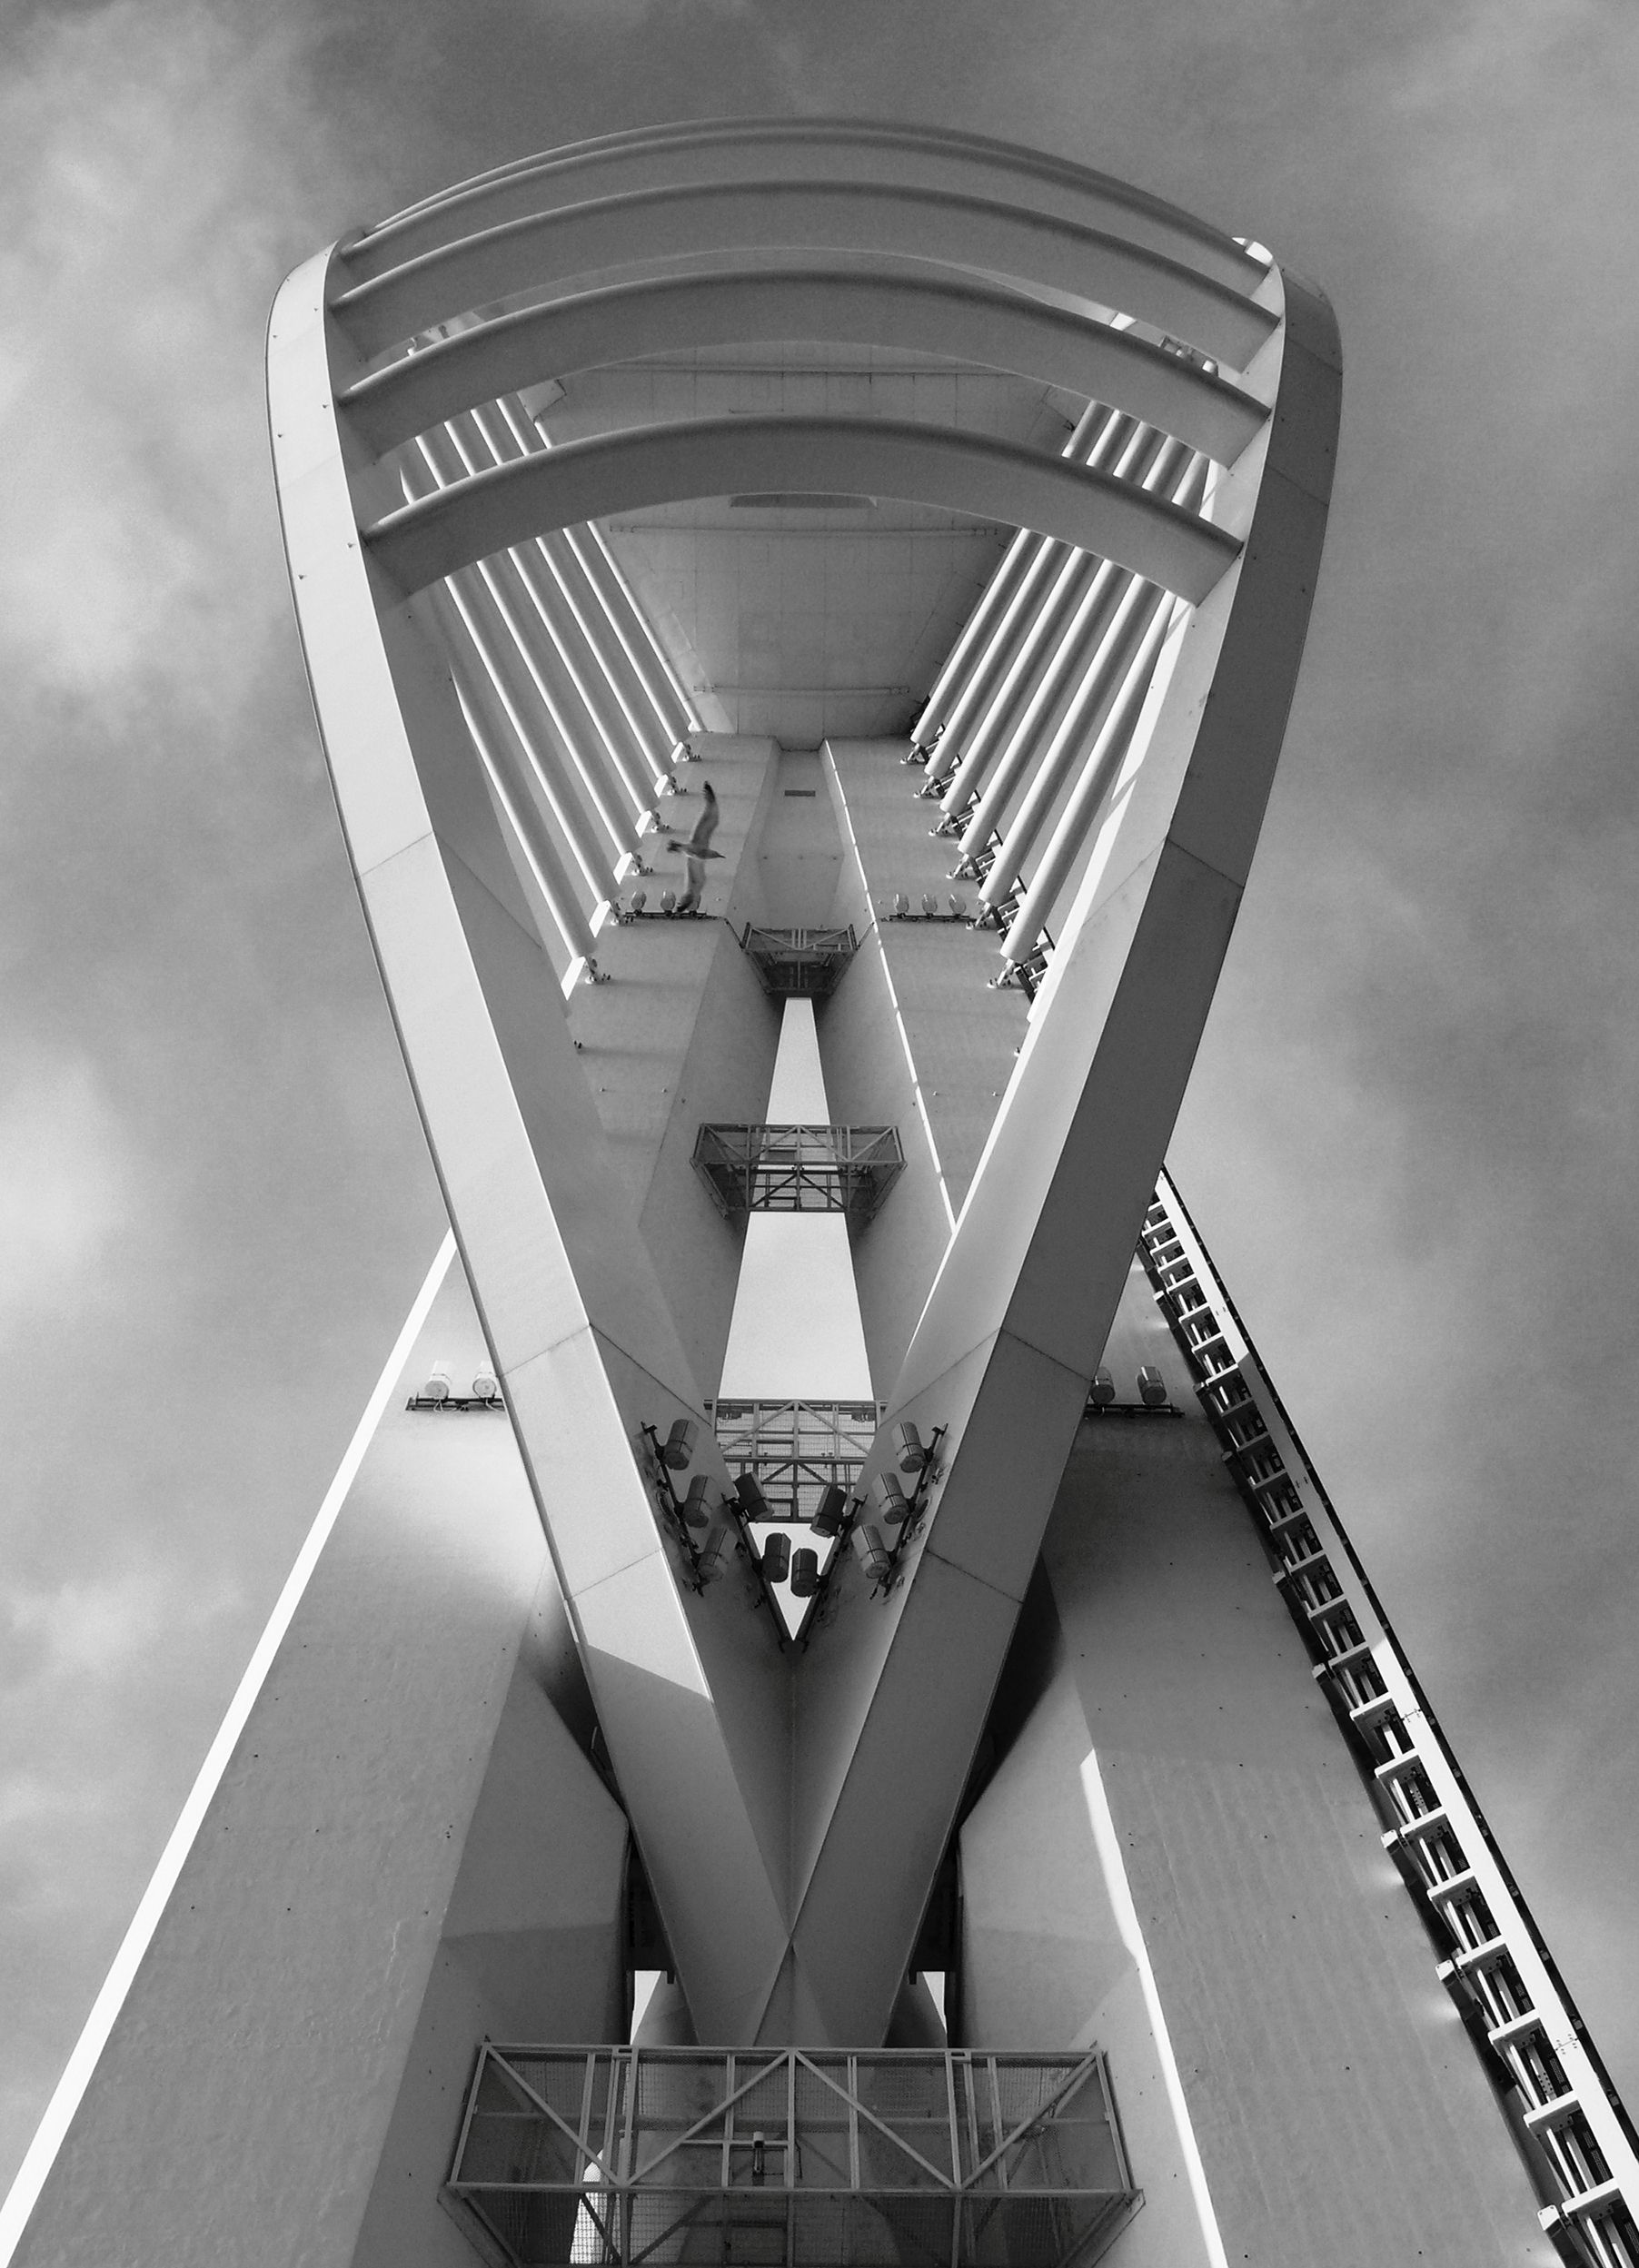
(962, 318)
(842, 149)
(863, 218)
(971, 473)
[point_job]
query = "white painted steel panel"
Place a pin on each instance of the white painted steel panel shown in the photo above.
(809, 149)
(1091, 268)
(964, 473)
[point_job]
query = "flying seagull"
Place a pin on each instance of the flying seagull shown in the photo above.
(697, 850)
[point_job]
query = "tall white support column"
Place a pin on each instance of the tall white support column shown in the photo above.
(369, 1848)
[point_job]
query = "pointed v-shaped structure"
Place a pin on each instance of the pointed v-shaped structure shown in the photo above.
(802, 618)
(437, 512)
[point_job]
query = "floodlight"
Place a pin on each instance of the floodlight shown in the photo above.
(713, 1553)
(832, 1511)
(872, 1552)
(752, 1502)
(901, 905)
(440, 1384)
(805, 1572)
(1103, 1389)
(1152, 1387)
(486, 1386)
(679, 1451)
(777, 1558)
(908, 1445)
(636, 903)
(895, 1504)
(696, 1510)
(958, 905)
(931, 904)
(668, 901)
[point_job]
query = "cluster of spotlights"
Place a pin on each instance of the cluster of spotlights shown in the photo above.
(440, 1386)
(705, 1528)
(1151, 1385)
(709, 1520)
(892, 1508)
(899, 908)
(634, 908)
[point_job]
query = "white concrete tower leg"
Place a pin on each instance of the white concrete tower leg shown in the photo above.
(366, 1876)
(1051, 1950)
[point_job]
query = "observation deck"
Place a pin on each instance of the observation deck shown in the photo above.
(793, 963)
(797, 1450)
(621, 2154)
(799, 1169)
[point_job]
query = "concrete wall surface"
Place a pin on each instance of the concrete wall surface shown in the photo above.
(1336, 2105)
(532, 1950)
(239, 2107)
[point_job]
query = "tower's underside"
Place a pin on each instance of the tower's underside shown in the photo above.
(831, 1721)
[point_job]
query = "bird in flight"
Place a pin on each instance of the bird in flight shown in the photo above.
(696, 851)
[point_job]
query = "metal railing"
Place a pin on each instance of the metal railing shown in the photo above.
(799, 1169)
(797, 1450)
(805, 962)
(628, 2155)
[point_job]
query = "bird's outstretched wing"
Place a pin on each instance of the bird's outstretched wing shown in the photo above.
(705, 827)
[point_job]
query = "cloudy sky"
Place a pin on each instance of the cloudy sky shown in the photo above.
(1409, 1138)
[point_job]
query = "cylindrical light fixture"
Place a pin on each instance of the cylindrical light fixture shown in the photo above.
(833, 1510)
(713, 1553)
(872, 1552)
(891, 1497)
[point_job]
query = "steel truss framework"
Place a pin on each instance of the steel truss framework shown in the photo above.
(799, 1169)
(797, 1450)
(798, 961)
(631, 2154)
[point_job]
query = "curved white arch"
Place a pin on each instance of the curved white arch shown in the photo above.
(496, 1077)
(971, 473)
(1095, 268)
(964, 318)
(815, 148)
